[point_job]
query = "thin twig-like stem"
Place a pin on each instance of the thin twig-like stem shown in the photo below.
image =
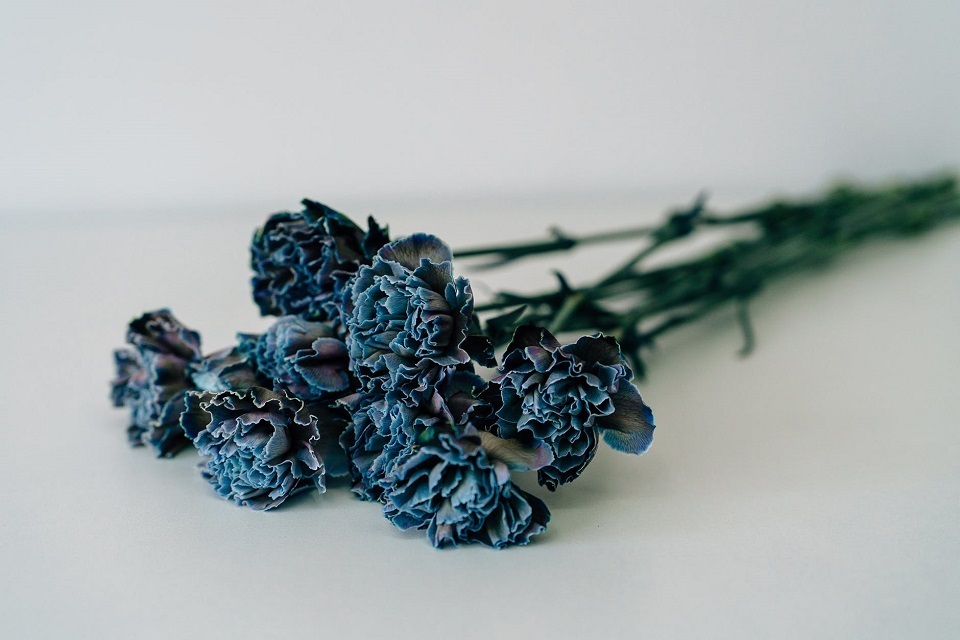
(786, 237)
(561, 242)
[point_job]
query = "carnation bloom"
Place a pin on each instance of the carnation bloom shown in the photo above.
(262, 446)
(152, 377)
(449, 486)
(566, 397)
(432, 469)
(407, 318)
(305, 358)
(298, 259)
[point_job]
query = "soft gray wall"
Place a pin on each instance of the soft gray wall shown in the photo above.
(127, 106)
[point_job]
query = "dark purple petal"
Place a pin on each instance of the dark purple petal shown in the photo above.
(530, 335)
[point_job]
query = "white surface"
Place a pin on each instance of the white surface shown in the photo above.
(810, 491)
(122, 105)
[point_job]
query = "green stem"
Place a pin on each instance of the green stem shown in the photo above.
(628, 267)
(566, 311)
(787, 237)
(560, 242)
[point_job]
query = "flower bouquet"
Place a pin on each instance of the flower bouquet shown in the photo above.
(380, 367)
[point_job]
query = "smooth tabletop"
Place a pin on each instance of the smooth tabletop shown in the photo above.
(811, 490)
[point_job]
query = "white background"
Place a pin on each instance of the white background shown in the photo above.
(811, 490)
(146, 106)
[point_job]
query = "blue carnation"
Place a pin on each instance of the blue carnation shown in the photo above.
(450, 487)
(432, 469)
(152, 378)
(407, 318)
(262, 446)
(305, 358)
(569, 396)
(380, 431)
(300, 260)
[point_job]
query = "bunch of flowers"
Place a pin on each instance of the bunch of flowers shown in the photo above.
(370, 372)
(380, 367)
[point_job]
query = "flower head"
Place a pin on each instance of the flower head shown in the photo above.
(380, 431)
(262, 446)
(449, 486)
(567, 396)
(407, 318)
(432, 469)
(300, 259)
(152, 375)
(305, 358)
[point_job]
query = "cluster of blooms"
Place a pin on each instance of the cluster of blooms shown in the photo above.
(369, 372)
